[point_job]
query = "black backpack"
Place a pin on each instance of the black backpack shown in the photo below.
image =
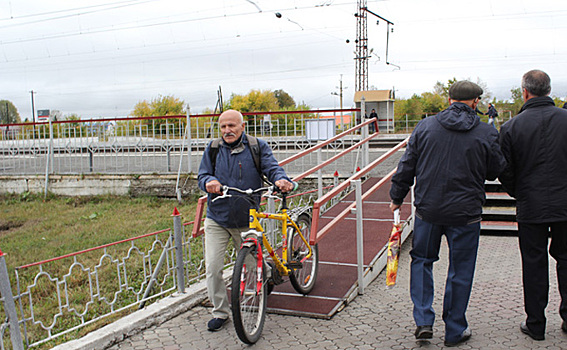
(254, 150)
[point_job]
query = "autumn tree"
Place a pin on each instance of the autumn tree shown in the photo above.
(254, 101)
(9, 113)
(285, 101)
(433, 103)
(160, 106)
(265, 101)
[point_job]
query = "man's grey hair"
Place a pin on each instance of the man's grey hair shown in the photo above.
(537, 83)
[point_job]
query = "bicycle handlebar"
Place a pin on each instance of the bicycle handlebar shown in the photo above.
(269, 191)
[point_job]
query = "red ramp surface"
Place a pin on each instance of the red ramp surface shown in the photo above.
(337, 257)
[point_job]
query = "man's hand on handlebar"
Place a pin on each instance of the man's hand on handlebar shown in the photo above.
(284, 185)
(214, 186)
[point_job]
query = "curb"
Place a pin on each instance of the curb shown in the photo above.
(153, 315)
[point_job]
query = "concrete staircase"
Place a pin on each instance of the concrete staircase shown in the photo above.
(499, 212)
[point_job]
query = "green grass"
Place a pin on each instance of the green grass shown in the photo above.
(33, 229)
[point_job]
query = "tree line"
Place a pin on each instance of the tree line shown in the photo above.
(430, 103)
(413, 108)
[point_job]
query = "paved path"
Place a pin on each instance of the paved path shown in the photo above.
(381, 318)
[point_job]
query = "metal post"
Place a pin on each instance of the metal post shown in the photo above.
(178, 233)
(189, 140)
(359, 236)
(49, 160)
(10, 306)
(157, 269)
(365, 159)
(168, 153)
(341, 101)
(33, 113)
(336, 179)
(319, 174)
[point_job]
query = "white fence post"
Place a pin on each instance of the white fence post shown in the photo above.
(189, 141)
(49, 157)
(319, 174)
(359, 235)
(178, 233)
(364, 132)
(10, 306)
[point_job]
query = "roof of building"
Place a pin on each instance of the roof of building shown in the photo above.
(374, 95)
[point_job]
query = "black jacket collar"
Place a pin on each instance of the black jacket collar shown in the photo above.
(538, 102)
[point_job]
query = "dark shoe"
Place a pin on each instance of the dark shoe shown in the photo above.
(524, 328)
(424, 332)
(466, 335)
(216, 324)
(564, 327)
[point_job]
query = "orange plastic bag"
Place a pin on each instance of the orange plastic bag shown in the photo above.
(394, 251)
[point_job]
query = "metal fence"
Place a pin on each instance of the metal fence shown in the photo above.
(60, 296)
(64, 294)
(147, 145)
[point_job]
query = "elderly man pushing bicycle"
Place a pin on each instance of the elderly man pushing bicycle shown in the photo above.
(235, 160)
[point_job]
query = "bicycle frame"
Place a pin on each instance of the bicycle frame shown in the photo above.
(286, 221)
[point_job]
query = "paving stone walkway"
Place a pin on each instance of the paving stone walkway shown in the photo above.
(382, 318)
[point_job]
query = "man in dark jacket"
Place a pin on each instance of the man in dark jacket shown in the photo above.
(535, 146)
(450, 155)
(228, 218)
(492, 115)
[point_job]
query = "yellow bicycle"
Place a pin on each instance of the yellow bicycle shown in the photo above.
(259, 267)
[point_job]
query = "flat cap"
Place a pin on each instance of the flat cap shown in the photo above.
(464, 90)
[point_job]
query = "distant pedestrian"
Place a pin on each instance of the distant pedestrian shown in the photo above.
(534, 144)
(372, 126)
(492, 115)
(450, 155)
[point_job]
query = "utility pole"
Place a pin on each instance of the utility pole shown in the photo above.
(361, 71)
(340, 94)
(33, 111)
(361, 53)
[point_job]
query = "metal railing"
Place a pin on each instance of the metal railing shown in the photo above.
(129, 273)
(139, 145)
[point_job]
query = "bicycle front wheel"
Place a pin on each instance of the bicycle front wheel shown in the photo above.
(248, 301)
(302, 278)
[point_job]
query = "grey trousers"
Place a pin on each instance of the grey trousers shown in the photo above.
(216, 242)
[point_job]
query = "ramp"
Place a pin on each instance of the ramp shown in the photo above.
(337, 279)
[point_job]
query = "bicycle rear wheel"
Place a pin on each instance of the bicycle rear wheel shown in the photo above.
(248, 303)
(302, 278)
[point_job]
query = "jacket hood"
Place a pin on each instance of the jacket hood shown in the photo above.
(458, 117)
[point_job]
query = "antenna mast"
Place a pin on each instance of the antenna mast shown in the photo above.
(361, 73)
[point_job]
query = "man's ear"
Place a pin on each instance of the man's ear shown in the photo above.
(525, 94)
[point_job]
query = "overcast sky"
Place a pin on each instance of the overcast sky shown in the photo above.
(99, 58)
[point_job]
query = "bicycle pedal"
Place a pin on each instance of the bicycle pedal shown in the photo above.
(294, 265)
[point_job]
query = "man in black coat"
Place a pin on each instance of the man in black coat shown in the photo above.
(450, 155)
(535, 146)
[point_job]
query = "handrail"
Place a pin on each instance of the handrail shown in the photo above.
(316, 234)
(179, 116)
(196, 231)
(331, 140)
(92, 249)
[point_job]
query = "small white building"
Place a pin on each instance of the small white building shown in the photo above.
(383, 102)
